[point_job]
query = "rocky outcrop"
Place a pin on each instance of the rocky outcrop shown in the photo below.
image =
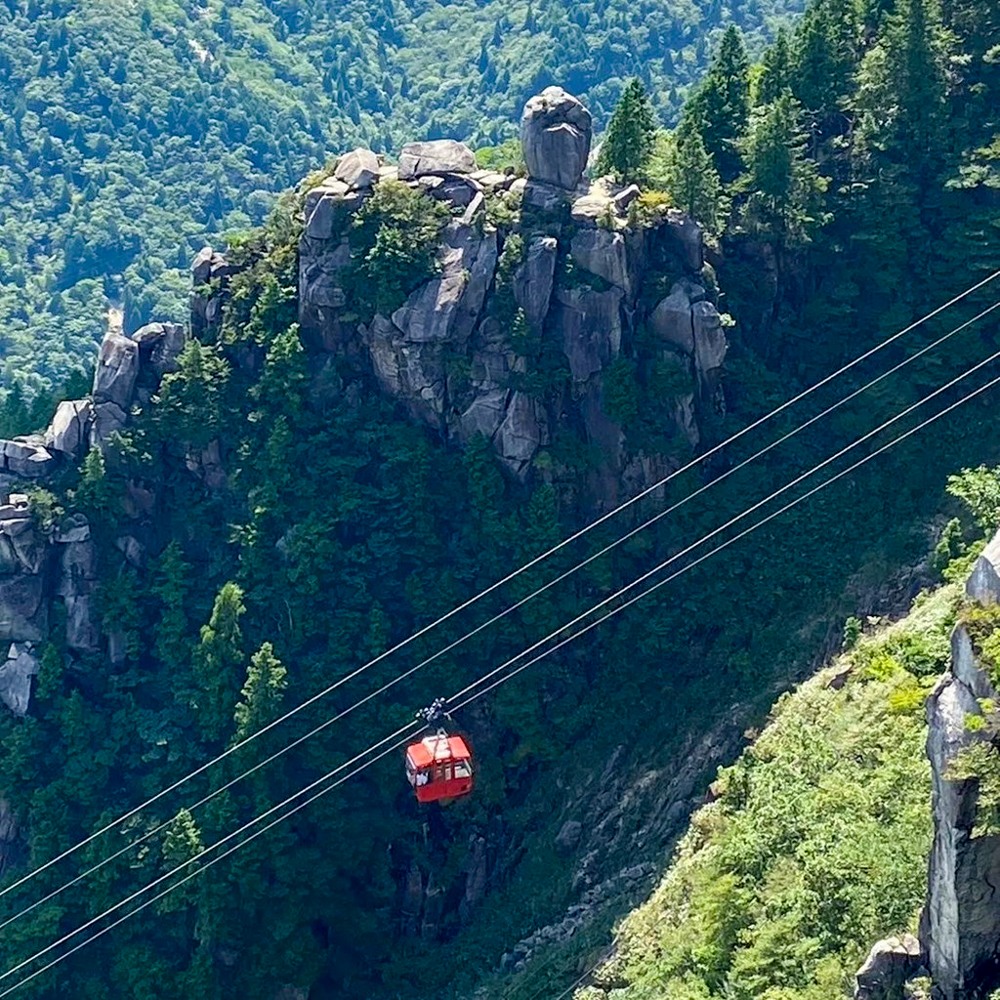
(449, 352)
(692, 325)
(556, 131)
(210, 272)
(890, 963)
(960, 928)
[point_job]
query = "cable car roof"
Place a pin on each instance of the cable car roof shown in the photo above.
(437, 749)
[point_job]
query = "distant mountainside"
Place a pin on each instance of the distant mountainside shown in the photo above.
(134, 131)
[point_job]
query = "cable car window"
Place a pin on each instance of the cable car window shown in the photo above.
(462, 769)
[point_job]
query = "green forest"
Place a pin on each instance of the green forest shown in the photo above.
(849, 182)
(132, 135)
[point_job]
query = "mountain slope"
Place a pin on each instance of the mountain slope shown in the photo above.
(134, 131)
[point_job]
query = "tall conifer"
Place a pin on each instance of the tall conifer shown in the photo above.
(628, 143)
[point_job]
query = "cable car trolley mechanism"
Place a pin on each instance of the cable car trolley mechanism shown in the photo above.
(439, 766)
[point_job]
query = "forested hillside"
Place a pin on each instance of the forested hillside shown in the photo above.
(134, 133)
(265, 509)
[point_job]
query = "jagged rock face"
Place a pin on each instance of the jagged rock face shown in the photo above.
(533, 280)
(556, 131)
(448, 353)
(960, 928)
(117, 370)
(210, 273)
(688, 322)
(16, 672)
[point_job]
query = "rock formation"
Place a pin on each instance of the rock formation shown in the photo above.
(960, 930)
(889, 965)
(448, 354)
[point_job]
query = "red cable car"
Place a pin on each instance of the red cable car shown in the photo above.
(439, 767)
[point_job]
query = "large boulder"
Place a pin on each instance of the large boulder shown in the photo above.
(358, 169)
(671, 321)
(329, 207)
(520, 434)
(26, 460)
(447, 307)
(710, 344)
(556, 131)
(533, 280)
(20, 665)
(889, 964)
(117, 370)
(68, 432)
(440, 156)
(484, 416)
(160, 344)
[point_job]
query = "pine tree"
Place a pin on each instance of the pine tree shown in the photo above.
(692, 179)
(783, 184)
(628, 143)
(825, 61)
(775, 70)
(262, 692)
(721, 106)
(216, 661)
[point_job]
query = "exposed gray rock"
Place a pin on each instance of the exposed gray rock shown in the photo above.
(889, 964)
(568, 838)
(83, 634)
(588, 324)
(117, 370)
(983, 584)
(29, 544)
(440, 156)
(490, 180)
(688, 239)
(74, 528)
(15, 677)
(388, 173)
(108, 418)
(329, 207)
(604, 253)
(458, 191)
(160, 344)
(520, 435)
(358, 169)
(960, 926)
(546, 198)
(686, 420)
(28, 461)
(588, 209)
(710, 343)
(625, 197)
(70, 428)
(484, 416)
(556, 131)
(448, 306)
(534, 278)
(671, 321)
(22, 614)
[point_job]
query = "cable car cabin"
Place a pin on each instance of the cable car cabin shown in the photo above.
(439, 767)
